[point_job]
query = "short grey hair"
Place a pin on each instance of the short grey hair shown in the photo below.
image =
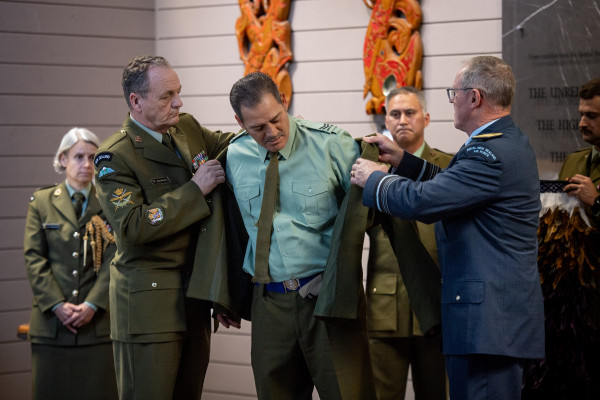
(69, 140)
(406, 90)
(491, 76)
(135, 75)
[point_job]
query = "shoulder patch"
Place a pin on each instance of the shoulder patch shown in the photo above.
(487, 136)
(481, 152)
(104, 156)
(155, 216)
(105, 171)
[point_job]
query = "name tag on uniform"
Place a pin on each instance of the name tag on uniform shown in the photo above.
(158, 181)
(50, 225)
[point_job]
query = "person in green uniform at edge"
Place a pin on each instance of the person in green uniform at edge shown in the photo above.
(71, 351)
(153, 179)
(291, 352)
(582, 168)
(397, 343)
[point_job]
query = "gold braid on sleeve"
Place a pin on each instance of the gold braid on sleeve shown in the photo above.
(100, 239)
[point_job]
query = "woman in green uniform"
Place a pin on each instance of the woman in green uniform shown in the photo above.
(68, 248)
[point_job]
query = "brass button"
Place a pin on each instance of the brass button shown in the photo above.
(457, 297)
(76, 235)
(154, 284)
(75, 254)
(75, 273)
(75, 292)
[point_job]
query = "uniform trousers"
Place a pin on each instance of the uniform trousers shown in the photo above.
(392, 357)
(290, 351)
(484, 377)
(167, 370)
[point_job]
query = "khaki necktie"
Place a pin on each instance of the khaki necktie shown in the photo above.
(78, 205)
(167, 141)
(265, 221)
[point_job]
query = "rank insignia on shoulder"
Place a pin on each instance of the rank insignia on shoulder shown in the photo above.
(138, 139)
(105, 171)
(155, 215)
(121, 198)
(488, 135)
(104, 156)
(199, 159)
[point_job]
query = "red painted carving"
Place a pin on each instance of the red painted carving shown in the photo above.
(393, 50)
(263, 34)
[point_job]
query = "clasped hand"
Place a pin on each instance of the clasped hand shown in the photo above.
(74, 316)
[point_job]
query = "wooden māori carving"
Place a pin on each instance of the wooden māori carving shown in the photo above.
(393, 50)
(263, 34)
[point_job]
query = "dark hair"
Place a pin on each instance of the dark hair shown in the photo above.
(135, 75)
(492, 76)
(250, 90)
(590, 89)
(407, 90)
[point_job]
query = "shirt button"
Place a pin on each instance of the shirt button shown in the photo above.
(284, 254)
(278, 229)
(75, 292)
(309, 190)
(75, 273)
(75, 254)
(154, 284)
(76, 235)
(457, 297)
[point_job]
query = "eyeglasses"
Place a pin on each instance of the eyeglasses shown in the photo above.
(452, 92)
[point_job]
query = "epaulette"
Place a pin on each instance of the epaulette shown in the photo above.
(113, 139)
(320, 126)
(487, 136)
(32, 197)
(239, 135)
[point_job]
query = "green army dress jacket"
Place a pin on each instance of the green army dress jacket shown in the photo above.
(154, 209)
(579, 162)
(57, 270)
(219, 277)
(389, 311)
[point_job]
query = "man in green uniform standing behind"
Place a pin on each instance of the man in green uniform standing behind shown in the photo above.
(397, 342)
(153, 178)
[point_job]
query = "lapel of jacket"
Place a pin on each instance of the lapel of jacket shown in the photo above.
(150, 147)
(182, 147)
(61, 201)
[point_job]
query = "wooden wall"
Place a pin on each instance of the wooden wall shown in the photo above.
(198, 37)
(60, 66)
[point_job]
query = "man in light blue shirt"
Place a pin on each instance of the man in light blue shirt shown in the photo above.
(291, 350)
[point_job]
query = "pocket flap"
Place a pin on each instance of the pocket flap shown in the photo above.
(248, 192)
(383, 284)
(155, 280)
(469, 292)
(309, 188)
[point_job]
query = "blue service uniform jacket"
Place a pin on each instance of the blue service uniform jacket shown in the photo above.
(487, 207)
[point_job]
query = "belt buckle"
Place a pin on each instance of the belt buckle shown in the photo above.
(291, 285)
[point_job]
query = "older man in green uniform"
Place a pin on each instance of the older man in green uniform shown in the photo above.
(153, 178)
(397, 342)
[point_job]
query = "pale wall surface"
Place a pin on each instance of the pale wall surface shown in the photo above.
(60, 66)
(198, 38)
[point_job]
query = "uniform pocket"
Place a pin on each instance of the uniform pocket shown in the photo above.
(248, 200)
(381, 297)
(316, 199)
(156, 302)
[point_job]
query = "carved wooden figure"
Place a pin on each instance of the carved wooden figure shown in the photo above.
(263, 34)
(393, 50)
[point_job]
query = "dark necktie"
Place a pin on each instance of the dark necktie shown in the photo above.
(167, 141)
(78, 197)
(265, 221)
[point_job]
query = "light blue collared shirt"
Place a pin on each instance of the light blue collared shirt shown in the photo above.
(85, 191)
(478, 130)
